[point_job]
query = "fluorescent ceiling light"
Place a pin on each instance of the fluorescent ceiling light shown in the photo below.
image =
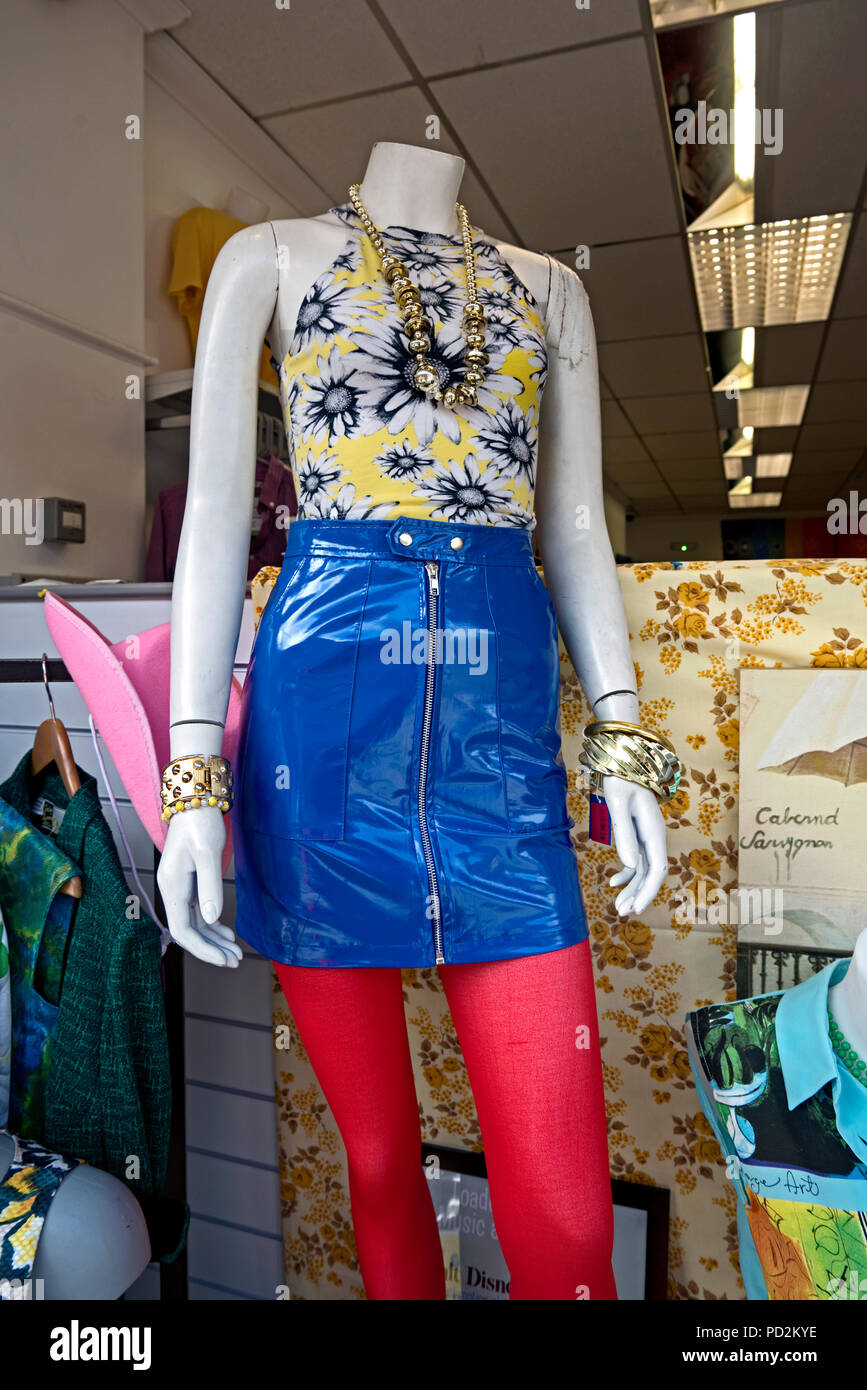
(743, 485)
(744, 26)
(773, 465)
(734, 468)
(768, 273)
(767, 406)
(755, 499)
(748, 346)
(742, 446)
(666, 12)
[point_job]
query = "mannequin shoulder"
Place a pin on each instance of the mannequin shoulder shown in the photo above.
(557, 290)
(326, 232)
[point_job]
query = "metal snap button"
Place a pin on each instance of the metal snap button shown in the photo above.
(456, 542)
(405, 538)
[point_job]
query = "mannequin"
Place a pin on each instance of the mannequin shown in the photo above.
(94, 1243)
(415, 186)
(257, 287)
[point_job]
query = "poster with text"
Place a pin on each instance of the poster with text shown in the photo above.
(802, 862)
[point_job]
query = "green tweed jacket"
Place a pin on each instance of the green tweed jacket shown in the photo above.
(108, 1089)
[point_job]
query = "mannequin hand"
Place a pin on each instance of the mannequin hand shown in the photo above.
(191, 882)
(639, 838)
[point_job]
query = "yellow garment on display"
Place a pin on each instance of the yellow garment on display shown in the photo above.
(197, 240)
(366, 443)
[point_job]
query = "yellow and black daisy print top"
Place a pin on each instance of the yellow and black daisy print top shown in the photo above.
(365, 443)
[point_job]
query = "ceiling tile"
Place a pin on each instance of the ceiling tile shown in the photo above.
(787, 353)
(692, 468)
(820, 165)
(672, 414)
(681, 446)
(642, 471)
(775, 439)
(637, 489)
(836, 461)
(655, 366)
(851, 300)
(274, 59)
(336, 141)
(703, 502)
(639, 288)
(455, 35)
(561, 187)
(837, 400)
(845, 354)
(832, 435)
(629, 450)
(614, 423)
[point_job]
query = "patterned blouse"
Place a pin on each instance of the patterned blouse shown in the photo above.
(365, 443)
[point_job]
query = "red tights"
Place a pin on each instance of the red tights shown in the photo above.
(528, 1033)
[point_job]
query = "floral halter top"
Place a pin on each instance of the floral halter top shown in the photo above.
(365, 443)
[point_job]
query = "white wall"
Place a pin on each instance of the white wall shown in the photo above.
(185, 164)
(71, 292)
(615, 520)
(650, 538)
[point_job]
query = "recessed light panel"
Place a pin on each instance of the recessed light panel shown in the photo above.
(768, 273)
(755, 499)
(773, 465)
(767, 406)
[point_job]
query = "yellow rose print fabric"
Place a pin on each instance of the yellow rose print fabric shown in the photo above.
(365, 443)
(692, 628)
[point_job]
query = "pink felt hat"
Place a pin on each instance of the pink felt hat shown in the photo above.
(125, 685)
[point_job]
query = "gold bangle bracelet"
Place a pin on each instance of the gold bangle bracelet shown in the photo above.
(196, 780)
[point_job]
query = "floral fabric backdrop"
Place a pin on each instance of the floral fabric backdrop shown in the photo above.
(692, 628)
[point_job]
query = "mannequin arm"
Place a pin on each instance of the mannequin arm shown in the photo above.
(581, 574)
(210, 579)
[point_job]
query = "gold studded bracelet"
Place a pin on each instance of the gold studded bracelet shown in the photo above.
(197, 780)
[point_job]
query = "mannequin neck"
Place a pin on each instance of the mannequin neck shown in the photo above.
(409, 186)
(848, 999)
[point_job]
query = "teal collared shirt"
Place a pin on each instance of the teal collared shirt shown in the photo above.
(792, 1124)
(808, 1060)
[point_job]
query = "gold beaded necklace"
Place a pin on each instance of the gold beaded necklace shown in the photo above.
(419, 327)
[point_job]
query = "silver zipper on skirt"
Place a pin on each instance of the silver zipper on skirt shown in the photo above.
(433, 589)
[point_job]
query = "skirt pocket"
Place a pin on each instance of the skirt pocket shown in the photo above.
(529, 702)
(298, 701)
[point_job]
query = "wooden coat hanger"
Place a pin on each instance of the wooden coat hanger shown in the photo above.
(51, 745)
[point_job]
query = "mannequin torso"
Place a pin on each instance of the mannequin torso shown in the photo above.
(94, 1242)
(258, 284)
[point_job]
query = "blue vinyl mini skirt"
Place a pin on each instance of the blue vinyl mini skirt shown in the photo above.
(400, 790)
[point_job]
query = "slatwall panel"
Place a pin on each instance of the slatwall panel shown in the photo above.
(232, 1181)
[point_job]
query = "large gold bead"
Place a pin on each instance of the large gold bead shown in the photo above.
(450, 396)
(420, 342)
(400, 284)
(426, 378)
(475, 357)
(473, 309)
(474, 325)
(476, 340)
(467, 395)
(407, 298)
(392, 266)
(417, 323)
(474, 377)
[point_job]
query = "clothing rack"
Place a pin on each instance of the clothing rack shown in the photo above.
(173, 1277)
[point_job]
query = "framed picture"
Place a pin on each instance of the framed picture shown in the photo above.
(802, 809)
(474, 1263)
